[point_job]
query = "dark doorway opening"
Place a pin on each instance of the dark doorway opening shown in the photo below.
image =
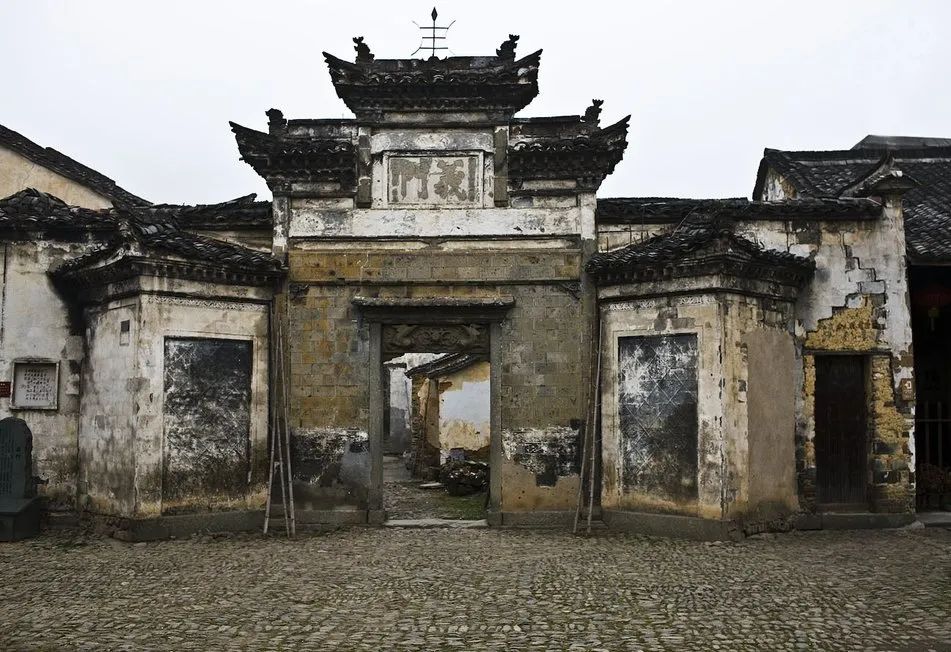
(931, 332)
(841, 433)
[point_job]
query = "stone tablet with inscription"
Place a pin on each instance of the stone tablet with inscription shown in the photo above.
(434, 180)
(34, 385)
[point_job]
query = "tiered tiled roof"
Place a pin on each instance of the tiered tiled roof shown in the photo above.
(831, 174)
(568, 147)
(299, 154)
(67, 167)
(35, 211)
(500, 85)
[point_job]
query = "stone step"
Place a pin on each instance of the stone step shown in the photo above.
(431, 523)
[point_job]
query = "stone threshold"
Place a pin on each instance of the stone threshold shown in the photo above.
(434, 523)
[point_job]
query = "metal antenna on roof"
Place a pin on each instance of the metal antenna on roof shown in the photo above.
(436, 33)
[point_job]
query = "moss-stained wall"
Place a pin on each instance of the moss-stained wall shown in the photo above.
(540, 351)
(122, 443)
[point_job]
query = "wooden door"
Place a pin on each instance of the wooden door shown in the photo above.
(841, 438)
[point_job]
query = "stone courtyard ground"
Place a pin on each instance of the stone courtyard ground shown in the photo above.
(405, 589)
(403, 498)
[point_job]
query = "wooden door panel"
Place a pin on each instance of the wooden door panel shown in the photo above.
(841, 430)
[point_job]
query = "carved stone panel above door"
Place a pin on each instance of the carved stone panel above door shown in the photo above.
(449, 338)
(433, 180)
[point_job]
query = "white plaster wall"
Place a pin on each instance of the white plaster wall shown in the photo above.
(727, 326)
(464, 410)
(18, 172)
(34, 323)
(312, 218)
(854, 260)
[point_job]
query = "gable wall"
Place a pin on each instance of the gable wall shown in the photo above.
(18, 172)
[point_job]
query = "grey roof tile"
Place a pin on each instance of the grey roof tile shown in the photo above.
(927, 207)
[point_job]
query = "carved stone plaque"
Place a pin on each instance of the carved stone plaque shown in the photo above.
(417, 180)
(35, 385)
(456, 338)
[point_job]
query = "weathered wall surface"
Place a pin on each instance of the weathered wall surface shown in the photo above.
(18, 172)
(125, 440)
(464, 412)
(329, 360)
(770, 382)
(465, 247)
(242, 317)
(207, 421)
(857, 303)
(330, 347)
(681, 431)
(35, 324)
(657, 414)
(107, 427)
(625, 461)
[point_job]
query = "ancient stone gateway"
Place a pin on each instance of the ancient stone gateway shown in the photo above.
(436, 221)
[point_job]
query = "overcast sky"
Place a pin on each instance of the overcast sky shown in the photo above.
(143, 90)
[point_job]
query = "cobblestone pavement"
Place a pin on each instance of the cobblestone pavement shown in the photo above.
(401, 589)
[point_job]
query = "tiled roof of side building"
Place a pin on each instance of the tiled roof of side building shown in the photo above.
(695, 232)
(241, 213)
(447, 364)
(33, 210)
(158, 230)
(829, 174)
(671, 210)
(68, 167)
(157, 236)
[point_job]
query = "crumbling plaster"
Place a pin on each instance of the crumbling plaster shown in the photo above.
(732, 436)
(464, 411)
(857, 302)
(124, 391)
(35, 324)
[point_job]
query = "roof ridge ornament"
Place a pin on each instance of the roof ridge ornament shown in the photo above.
(433, 38)
(363, 50)
(507, 49)
(592, 114)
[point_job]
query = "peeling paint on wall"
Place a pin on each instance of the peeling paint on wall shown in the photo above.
(330, 466)
(549, 453)
(657, 414)
(207, 419)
